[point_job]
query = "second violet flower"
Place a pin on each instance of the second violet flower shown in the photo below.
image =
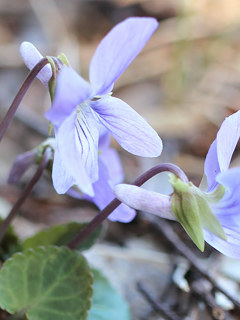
(216, 200)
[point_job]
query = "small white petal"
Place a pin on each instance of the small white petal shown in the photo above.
(142, 199)
(31, 56)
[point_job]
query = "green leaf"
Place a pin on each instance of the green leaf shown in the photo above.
(46, 284)
(107, 304)
(60, 235)
(9, 244)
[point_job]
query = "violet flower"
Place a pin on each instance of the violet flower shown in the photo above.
(79, 109)
(217, 174)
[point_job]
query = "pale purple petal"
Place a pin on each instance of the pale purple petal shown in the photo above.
(76, 193)
(227, 210)
(110, 157)
(70, 156)
(112, 161)
(229, 206)
(87, 142)
(31, 56)
(104, 138)
(104, 195)
(211, 166)
(21, 165)
(231, 247)
(131, 131)
(227, 139)
(221, 150)
(117, 50)
(122, 214)
(144, 200)
(71, 91)
(61, 176)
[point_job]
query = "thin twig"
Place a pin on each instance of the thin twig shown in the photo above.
(97, 220)
(5, 224)
(184, 250)
(162, 308)
(203, 292)
(19, 96)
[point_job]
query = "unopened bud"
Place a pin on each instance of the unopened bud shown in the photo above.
(24, 161)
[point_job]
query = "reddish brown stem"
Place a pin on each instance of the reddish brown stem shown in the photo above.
(97, 220)
(25, 193)
(17, 100)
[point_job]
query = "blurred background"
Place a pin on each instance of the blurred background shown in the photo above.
(184, 82)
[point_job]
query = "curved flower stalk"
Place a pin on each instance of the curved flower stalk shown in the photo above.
(218, 192)
(80, 109)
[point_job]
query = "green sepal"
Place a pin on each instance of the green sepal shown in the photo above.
(62, 57)
(50, 128)
(53, 81)
(185, 208)
(209, 220)
(52, 88)
(55, 70)
(40, 150)
(216, 195)
(191, 207)
(203, 184)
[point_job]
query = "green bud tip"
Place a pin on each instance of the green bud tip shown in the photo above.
(62, 57)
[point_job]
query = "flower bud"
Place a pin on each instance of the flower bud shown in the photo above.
(20, 166)
(24, 161)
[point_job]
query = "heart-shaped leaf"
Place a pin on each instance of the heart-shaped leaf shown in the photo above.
(61, 235)
(9, 244)
(46, 283)
(107, 304)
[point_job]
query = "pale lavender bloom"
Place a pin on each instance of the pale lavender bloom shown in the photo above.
(216, 169)
(77, 117)
(79, 109)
